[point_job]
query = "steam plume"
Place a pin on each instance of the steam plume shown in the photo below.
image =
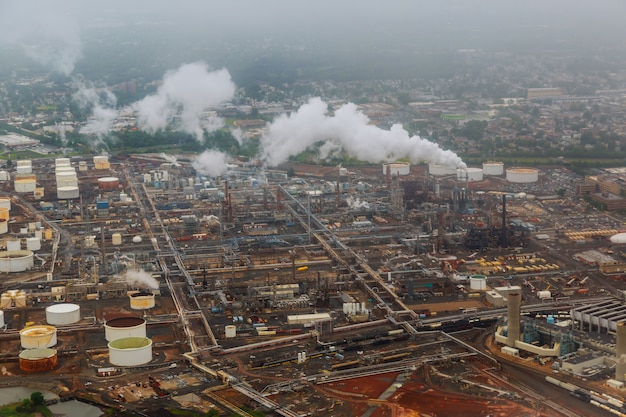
(346, 130)
(211, 163)
(186, 92)
(103, 112)
(140, 279)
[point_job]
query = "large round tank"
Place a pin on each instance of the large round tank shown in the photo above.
(39, 192)
(108, 183)
(101, 162)
(130, 351)
(66, 179)
(398, 168)
(618, 238)
(26, 185)
(38, 360)
(33, 243)
(478, 282)
(4, 226)
(24, 169)
(59, 162)
(38, 337)
(4, 213)
(4, 175)
(493, 168)
(67, 193)
(64, 170)
(137, 239)
(116, 239)
(141, 300)
(469, 174)
(82, 166)
(121, 327)
(522, 175)
(230, 331)
(440, 170)
(5, 202)
(61, 314)
(16, 261)
(13, 244)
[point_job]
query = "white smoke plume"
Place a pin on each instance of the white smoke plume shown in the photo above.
(140, 279)
(239, 135)
(357, 203)
(346, 130)
(170, 158)
(186, 92)
(211, 163)
(44, 34)
(103, 112)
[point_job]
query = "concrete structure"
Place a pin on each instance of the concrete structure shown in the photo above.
(38, 337)
(130, 351)
(307, 318)
(600, 317)
(522, 175)
(62, 314)
(397, 169)
(38, 360)
(16, 261)
(513, 318)
(620, 352)
(495, 299)
(122, 327)
(469, 174)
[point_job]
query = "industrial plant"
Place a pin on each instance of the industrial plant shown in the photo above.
(280, 289)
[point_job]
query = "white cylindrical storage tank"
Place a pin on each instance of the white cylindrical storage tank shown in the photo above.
(82, 166)
(478, 282)
(469, 174)
(60, 162)
(137, 239)
(64, 171)
(130, 351)
(123, 197)
(116, 239)
(68, 193)
(231, 331)
(14, 244)
(38, 337)
(618, 238)
(16, 261)
(33, 243)
(397, 169)
(522, 175)
(440, 170)
(544, 295)
(4, 213)
(4, 175)
(121, 327)
(1, 318)
(24, 169)
(101, 162)
(26, 185)
(108, 183)
(142, 300)
(62, 314)
(147, 178)
(5, 202)
(4, 226)
(493, 168)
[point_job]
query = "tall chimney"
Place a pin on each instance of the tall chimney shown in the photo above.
(513, 318)
(620, 350)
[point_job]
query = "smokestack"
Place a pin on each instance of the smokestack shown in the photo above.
(620, 350)
(388, 176)
(513, 318)
(505, 238)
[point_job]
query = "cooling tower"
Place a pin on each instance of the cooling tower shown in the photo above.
(513, 318)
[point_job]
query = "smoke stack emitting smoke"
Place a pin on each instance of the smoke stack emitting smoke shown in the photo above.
(349, 130)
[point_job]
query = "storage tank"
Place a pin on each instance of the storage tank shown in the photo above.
(16, 261)
(66, 179)
(5, 202)
(478, 282)
(108, 183)
(127, 326)
(4, 213)
(38, 337)
(397, 168)
(82, 166)
(141, 300)
(47, 234)
(33, 243)
(39, 193)
(38, 360)
(116, 239)
(101, 162)
(544, 295)
(493, 168)
(67, 193)
(4, 226)
(62, 314)
(137, 239)
(59, 162)
(130, 351)
(1, 318)
(26, 185)
(4, 175)
(469, 174)
(440, 170)
(123, 197)
(24, 169)
(13, 244)
(522, 175)
(230, 331)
